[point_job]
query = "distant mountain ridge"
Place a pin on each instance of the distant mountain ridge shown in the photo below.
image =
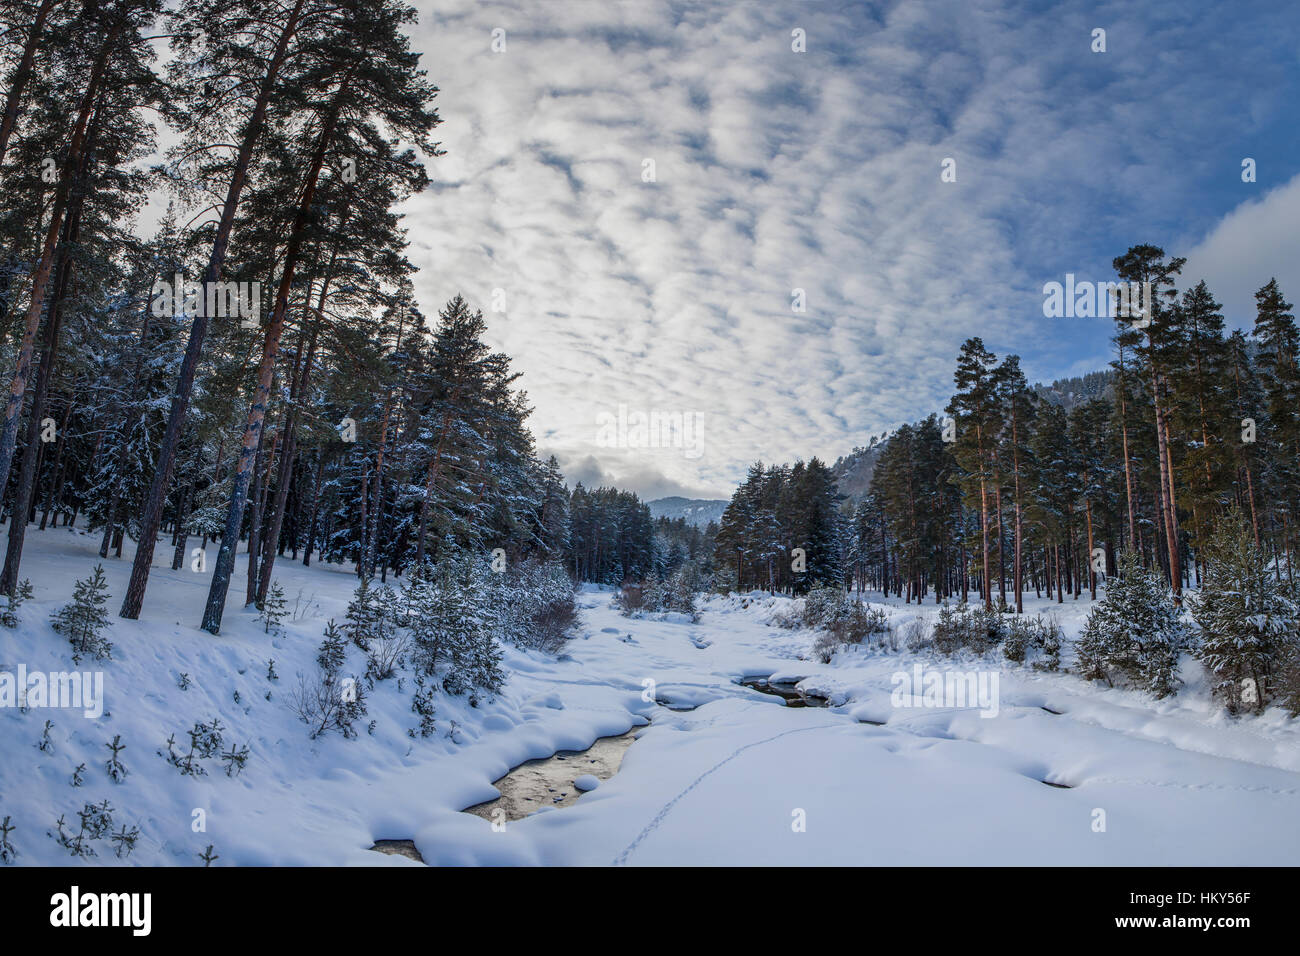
(696, 511)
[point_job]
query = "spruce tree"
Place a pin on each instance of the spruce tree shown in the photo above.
(1135, 631)
(84, 620)
(1247, 619)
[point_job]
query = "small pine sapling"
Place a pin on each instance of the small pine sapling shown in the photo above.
(234, 760)
(114, 764)
(124, 841)
(96, 822)
(78, 777)
(7, 851)
(84, 620)
(207, 856)
(46, 745)
(272, 610)
(10, 603)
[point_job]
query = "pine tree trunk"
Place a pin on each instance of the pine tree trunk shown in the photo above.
(153, 508)
(288, 454)
(1092, 574)
(1168, 500)
(182, 534)
(261, 477)
(25, 493)
(22, 73)
(41, 278)
(315, 505)
(257, 413)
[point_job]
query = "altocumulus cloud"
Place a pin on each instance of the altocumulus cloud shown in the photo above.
(777, 170)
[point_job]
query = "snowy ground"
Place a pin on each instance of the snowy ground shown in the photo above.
(739, 779)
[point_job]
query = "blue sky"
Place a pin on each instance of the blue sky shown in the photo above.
(778, 170)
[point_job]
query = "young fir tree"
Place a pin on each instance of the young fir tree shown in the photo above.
(272, 610)
(1135, 631)
(84, 620)
(10, 604)
(362, 618)
(1247, 619)
(453, 633)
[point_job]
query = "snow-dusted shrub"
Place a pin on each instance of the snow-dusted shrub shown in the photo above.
(655, 594)
(84, 620)
(1247, 618)
(542, 605)
(629, 597)
(423, 707)
(326, 702)
(205, 742)
(96, 822)
(385, 656)
(916, 634)
(7, 851)
(969, 626)
(333, 650)
(822, 605)
(1135, 632)
(681, 589)
(1032, 638)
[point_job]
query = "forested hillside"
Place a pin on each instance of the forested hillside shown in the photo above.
(1017, 488)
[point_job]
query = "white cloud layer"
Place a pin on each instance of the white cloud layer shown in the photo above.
(777, 171)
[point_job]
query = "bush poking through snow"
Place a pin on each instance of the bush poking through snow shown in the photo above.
(656, 594)
(96, 822)
(324, 703)
(1134, 632)
(847, 622)
(328, 701)
(916, 634)
(7, 851)
(1032, 638)
(542, 606)
(124, 840)
(234, 759)
(205, 742)
(967, 626)
(114, 765)
(333, 650)
(374, 614)
(84, 620)
(385, 656)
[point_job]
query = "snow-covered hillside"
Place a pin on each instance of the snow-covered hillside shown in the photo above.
(740, 778)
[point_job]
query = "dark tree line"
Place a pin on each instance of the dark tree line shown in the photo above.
(1008, 491)
(329, 419)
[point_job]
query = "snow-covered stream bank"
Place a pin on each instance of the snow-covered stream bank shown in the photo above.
(737, 778)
